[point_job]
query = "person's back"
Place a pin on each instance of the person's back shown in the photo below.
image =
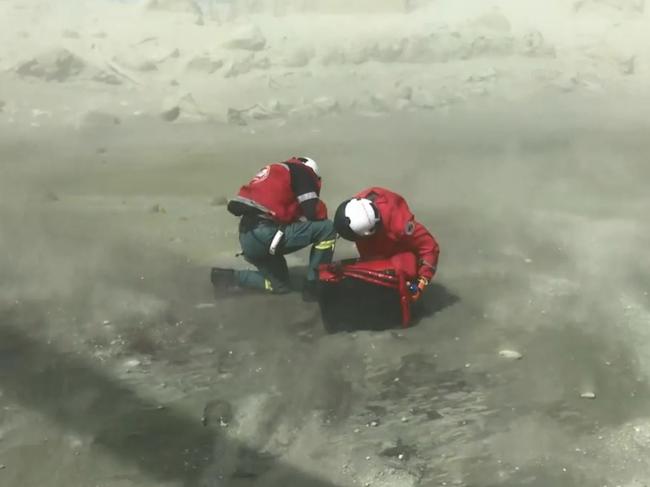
(283, 192)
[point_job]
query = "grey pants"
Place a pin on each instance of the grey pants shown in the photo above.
(272, 273)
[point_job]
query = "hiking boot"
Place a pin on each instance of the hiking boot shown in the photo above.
(223, 279)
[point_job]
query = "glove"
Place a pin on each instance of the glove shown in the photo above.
(417, 287)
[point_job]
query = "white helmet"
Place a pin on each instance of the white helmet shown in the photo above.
(356, 218)
(307, 161)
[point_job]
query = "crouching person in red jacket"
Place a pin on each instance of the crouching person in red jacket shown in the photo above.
(280, 212)
(381, 224)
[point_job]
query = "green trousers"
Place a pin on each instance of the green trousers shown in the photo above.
(272, 274)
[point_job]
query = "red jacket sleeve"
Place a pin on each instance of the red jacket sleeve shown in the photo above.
(425, 246)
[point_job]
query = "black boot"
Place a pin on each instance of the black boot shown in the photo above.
(223, 279)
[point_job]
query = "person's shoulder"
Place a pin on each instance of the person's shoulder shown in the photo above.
(390, 192)
(300, 171)
(380, 191)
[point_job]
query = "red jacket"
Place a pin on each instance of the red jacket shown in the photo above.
(399, 232)
(270, 192)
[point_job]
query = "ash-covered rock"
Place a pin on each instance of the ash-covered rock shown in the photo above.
(217, 412)
(53, 65)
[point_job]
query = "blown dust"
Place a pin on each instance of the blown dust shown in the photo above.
(519, 137)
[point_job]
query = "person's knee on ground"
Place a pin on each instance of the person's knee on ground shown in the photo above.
(274, 286)
(271, 275)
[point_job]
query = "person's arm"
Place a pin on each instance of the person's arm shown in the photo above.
(305, 187)
(425, 246)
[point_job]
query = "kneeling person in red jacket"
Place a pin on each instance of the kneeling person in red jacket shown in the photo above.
(281, 212)
(381, 224)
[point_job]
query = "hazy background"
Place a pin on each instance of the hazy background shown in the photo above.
(517, 132)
